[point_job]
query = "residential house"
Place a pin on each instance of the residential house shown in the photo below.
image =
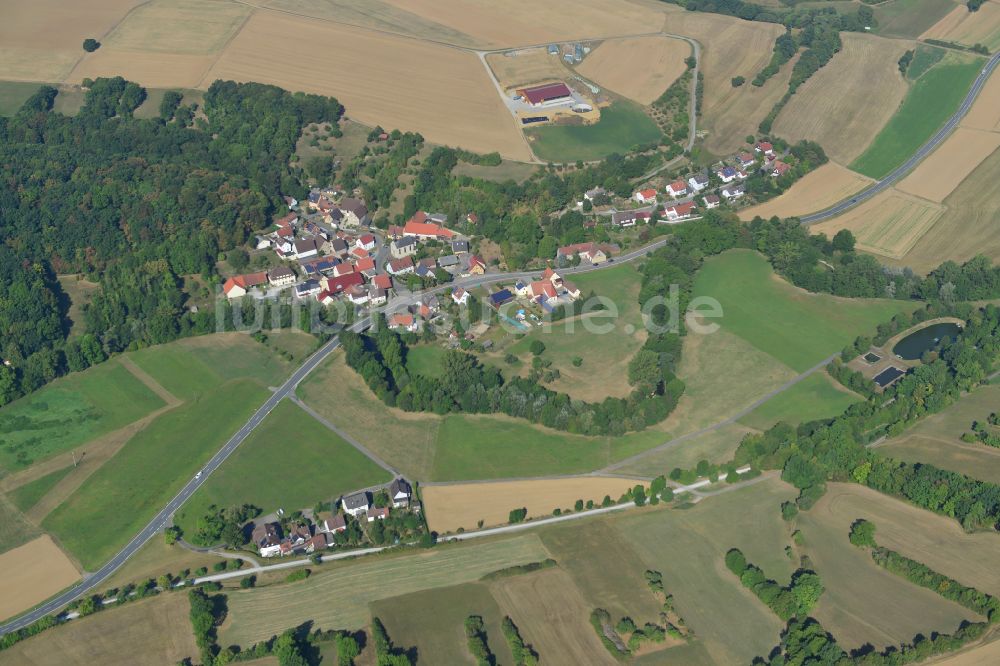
(366, 241)
(680, 212)
(474, 265)
(281, 276)
(698, 182)
(307, 288)
(522, 289)
(288, 221)
(400, 266)
(360, 253)
(596, 193)
(726, 174)
(459, 246)
(335, 246)
(460, 296)
(403, 247)
(403, 321)
(711, 201)
(365, 266)
(765, 148)
(779, 168)
(343, 269)
(629, 218)
(356, 504)
(336, 284)
(267, 539)
(357, 294)
(400, 492)
(377, 297)
(426, 230)
(449, 261)
(678, 188)
(500, 297)
(586, 251)
(319, 541)
(306, 248)
(354, 212)
(262, 243)
(331, 523)
(745, 159)
(543, 290)
(425, 267)
(291, 202)
(378, 513)
(571, 289)
(552, 277)
(394, 232)
(238, 285)
(732, 192)
(382, 281)
(645, 196)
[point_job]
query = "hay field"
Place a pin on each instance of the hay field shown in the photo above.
(889, 224)
(731, 47)
(151, 631)
(845, 104)
(965, 27)
(154, 70)
(639, 68)
(815, 191)
(449, 507)
(985, 113)
(864, 603)
(938, 175)
(34, 47)
(258, 614)
(527, 67)
(522, 22)
(451, 102)
(552, 616)
(32, 573)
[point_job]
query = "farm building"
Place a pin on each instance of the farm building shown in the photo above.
(546, 95)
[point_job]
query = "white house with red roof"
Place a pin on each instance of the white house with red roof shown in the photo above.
(779, 168)
(745, 159)
(460, 296)
(366, 242)
(682, 211)
(403, 320)
(418, 227)
(400, 266)
(238, 285)
(678, 188)
(764, 147)
(645, 196)
(343, 269)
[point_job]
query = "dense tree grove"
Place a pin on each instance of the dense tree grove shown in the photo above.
(134, 204)
(797, 599)
(835, 450)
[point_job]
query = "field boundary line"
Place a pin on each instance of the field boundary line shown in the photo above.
(149, 381)
(222, 51)
(343, 435)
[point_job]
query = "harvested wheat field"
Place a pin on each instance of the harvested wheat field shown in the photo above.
(443, 93)
(846, 103)
(526, 67)
(731, 47)
(938, 175)
(552, 616)
(815, 191)
(985, 113)
(32, 573)
(639, 68)
(889, 224)
(194, 27)
(464, 505)
(34, 47)
(523, 22)
(153, 70)
(965, 27)
(150, 631)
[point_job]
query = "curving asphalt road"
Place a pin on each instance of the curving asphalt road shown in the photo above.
(896, 174)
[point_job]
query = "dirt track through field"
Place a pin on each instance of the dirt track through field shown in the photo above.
(639, 68)
(31, 573)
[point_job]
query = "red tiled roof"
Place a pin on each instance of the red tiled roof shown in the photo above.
(539, 94)
(382, 281)
(365, 264)
(426, 229)
(337, 284)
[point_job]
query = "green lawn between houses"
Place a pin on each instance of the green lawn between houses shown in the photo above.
(929, 103)
(622, 126)
(291, 461)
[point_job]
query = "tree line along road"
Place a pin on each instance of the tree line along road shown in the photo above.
(92, 581)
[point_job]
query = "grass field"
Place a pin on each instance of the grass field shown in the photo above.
(70, 411)
(14, 529)
(26, 496)
(931, 100)
(815, 397)
(965, 27)
(80, 292)
(258, 614)
(439, 636)
(13, 94)
(621, 127)
(156, 558)
(924, 57)
(818, 189)
(796, 327)
(845, 104)
(507, 170)
(293, 341)
(289, 444)
(158, 629)
(427, 360)
(688, 547)
(32, 573)
(889, 224)
(148, 471)
(639, 68)
(716, 446)
(945, 169)
(864, 603)
(909, 18)
(449, 507)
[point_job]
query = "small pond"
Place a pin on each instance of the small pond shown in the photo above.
(913, 346)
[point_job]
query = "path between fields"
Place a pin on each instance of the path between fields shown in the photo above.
(345, 436)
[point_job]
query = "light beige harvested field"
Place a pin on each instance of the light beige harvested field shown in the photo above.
(32, 573)
(464, 505)
(193, 27)
(985, 113)
(552, 616)
(150, 631)
(938, 175)
(34, 46)
(444, 94)
(847, 102)
(639, 68)
(523, 22)
(154, 70)
(965, 27)
(527, 67)
(889, 224)
(815, 191)
(731, 47)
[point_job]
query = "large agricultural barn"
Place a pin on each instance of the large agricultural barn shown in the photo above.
(546, 95)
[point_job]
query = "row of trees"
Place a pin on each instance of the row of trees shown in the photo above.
(798, 599)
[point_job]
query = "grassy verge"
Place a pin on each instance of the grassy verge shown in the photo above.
(931, 101)
(815, 397)
(622, 126)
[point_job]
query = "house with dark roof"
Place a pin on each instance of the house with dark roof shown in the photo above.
(356, 504)
(500, 297)
(281, 276)
(266, 539)
(400, 492)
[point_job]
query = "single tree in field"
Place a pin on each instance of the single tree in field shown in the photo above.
(90, 45)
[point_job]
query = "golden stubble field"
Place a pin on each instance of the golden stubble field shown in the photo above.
(815, 191)
(945, 169)
(464, 505)
(639, 68)
(731, 47)
(528, 66)
(32, 573)
(965, 27)
(846, 103)
(443, 93)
